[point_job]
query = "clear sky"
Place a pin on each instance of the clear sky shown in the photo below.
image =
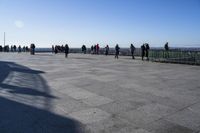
(77, 22)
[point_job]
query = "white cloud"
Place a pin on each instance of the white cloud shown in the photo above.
(19, 24)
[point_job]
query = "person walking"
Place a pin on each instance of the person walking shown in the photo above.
(66, 50)
(117, 48)
(132, 47)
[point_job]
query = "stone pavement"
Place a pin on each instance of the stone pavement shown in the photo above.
(47, 93)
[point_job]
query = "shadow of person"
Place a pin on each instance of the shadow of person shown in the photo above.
(26, 103)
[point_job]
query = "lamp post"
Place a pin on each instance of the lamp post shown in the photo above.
(4, 39)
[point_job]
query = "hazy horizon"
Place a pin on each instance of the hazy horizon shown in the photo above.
(122, 46)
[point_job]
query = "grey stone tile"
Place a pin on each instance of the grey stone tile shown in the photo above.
(164, 126)
(112, 125)
(139, 118)
(195, 108)
(156, 109)
(97, 100)
(141, 131)
(90, 115)
(82, 94)
(186, 118)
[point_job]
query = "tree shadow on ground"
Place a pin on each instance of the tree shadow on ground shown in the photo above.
(20, 89)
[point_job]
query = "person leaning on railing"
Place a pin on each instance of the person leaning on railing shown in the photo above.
(132, 48)
(167, 50)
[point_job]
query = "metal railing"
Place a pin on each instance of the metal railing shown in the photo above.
(175, 56)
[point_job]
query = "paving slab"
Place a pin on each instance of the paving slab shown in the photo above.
(90, 115)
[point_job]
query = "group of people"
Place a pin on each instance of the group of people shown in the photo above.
(58, 49)
(61, 49)
(145, 51)
(95, 49)
(19, 49)
(14, 48)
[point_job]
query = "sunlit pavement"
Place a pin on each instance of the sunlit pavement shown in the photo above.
(48, 93)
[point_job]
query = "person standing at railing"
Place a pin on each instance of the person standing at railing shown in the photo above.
(92, 49)
(56, 49)
(1, 48)
(107, 50)
(132, 47)
(53, 49)
(15, 48)
(167, 50)
(32, 49)
(11, 48)
(147, 48)
(97, 48)
(19, 49)
(143, 51)
(117, 48)
(84, 49)
(66, 50)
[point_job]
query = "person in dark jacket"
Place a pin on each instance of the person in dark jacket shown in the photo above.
(53, 49)
(1, 48)
(132, 47)
(84, 49)
(32, 49)
(167, 50)
(106, 50)
(97, 48)
(147, 48)
(19, 49)
(166, 46)
(117, 48)
(92, 49)
(15, 48)
(66, 50)
(143, 51)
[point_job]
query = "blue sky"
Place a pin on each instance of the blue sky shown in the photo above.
(77, 22)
